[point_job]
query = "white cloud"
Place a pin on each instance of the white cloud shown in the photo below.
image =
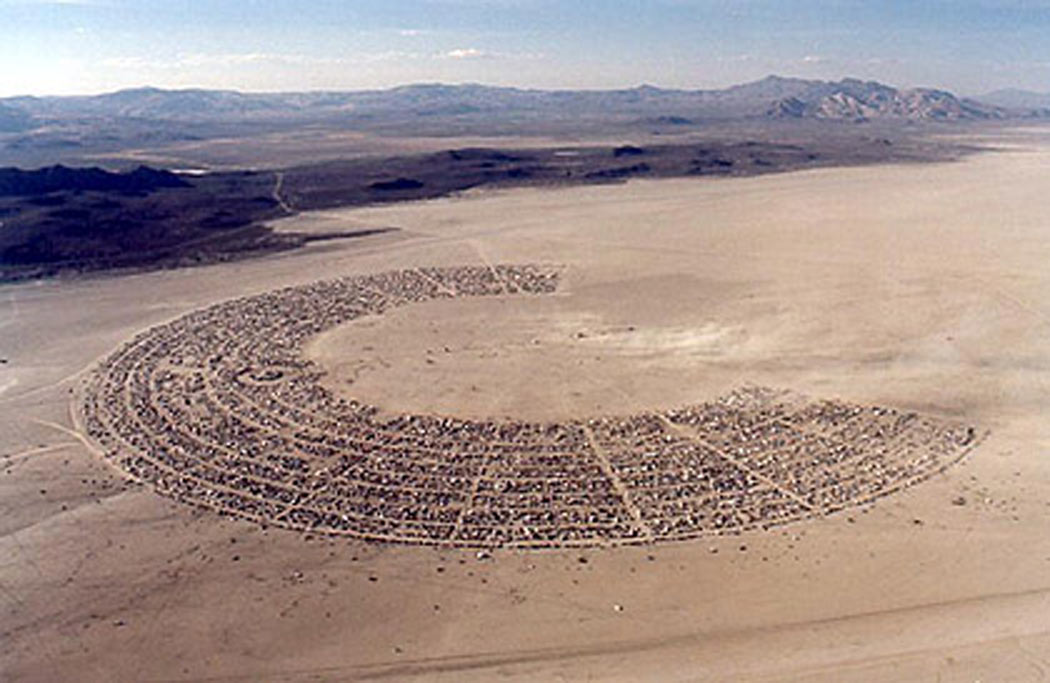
(128, 62)
(235, 59)
(227, 59)
(736, 58)
(387, 56)
(467, 53)
(814, 59)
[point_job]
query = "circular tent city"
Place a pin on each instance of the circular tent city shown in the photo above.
(220, 409)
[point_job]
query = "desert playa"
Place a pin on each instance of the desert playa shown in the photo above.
(918, 288)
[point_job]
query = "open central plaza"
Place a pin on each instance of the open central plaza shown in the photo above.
(219, 409)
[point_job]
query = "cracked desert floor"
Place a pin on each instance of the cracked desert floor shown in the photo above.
(920, 287)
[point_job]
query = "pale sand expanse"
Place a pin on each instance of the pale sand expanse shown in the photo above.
(920, 287)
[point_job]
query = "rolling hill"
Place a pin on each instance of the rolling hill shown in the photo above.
(773, 96)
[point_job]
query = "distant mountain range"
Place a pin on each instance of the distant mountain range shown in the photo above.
(773, 97)
(1018, 100)
(859, 100)
(224, 128)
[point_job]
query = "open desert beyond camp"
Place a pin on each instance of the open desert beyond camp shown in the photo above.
(919, 289)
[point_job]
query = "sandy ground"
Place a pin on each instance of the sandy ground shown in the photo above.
(920, 287)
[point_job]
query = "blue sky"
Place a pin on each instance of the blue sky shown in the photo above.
(86, 46)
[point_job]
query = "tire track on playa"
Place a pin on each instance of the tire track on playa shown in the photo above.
(26, 559)
(19, 457)
(139, 593)
(7, 321)
(8, 385)
(69, 432)
(278, 183)
(11, 319)
(997, 292)
(990, 617)
(51, 385)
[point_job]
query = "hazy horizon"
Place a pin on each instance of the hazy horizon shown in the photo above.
(64, 47)
(408, 84)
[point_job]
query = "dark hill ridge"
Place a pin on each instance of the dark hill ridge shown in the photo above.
(15, 182)
(58, 219)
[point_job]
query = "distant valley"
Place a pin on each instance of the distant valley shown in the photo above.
(162, 178)
(202, 127)
(60, 220)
